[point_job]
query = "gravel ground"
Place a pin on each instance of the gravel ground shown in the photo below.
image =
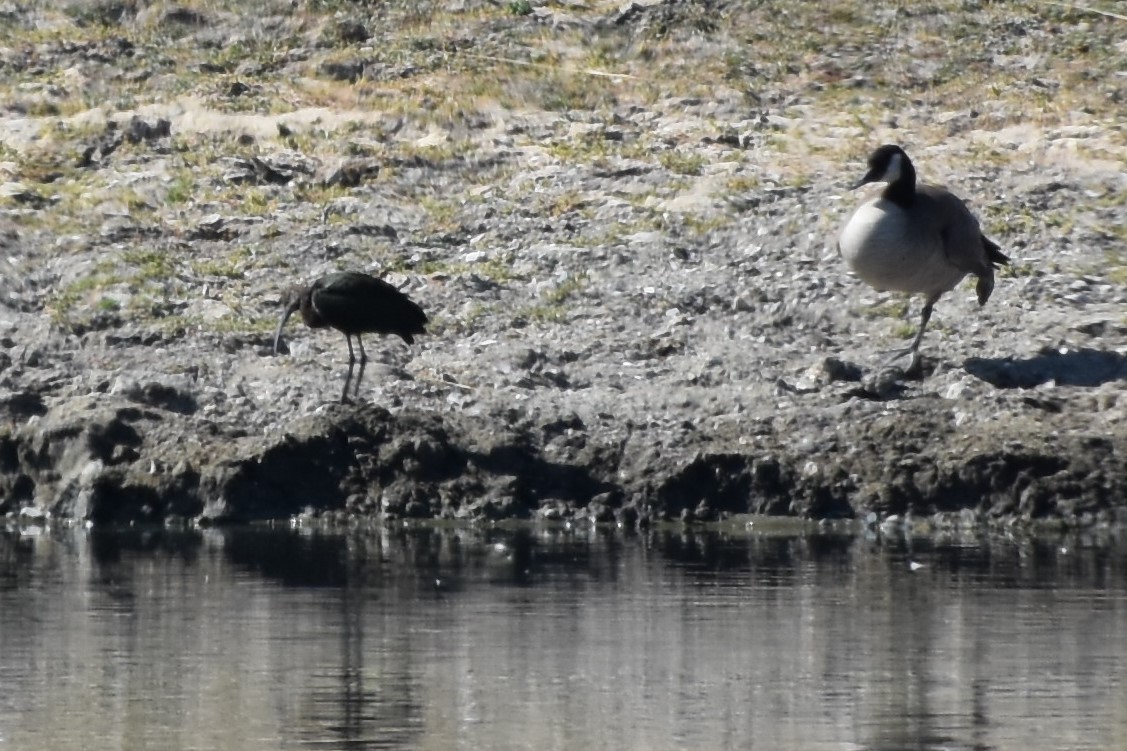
(621, 221)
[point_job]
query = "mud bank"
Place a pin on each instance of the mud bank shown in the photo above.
(116, 460)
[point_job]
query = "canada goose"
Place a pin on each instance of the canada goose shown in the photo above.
(915, 238)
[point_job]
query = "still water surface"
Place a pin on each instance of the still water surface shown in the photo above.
(531, 639)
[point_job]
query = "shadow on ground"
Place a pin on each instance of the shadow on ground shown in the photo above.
(1084, 367)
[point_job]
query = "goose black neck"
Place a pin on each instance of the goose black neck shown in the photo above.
(902, 191)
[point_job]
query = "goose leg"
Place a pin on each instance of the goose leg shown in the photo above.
(351, 354)
(913, 349)
(363, 354)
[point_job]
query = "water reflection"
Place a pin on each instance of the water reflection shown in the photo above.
(556, 639)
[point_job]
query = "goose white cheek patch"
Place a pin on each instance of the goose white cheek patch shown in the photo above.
(892, 171)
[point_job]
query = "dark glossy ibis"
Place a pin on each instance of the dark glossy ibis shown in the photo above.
(354, 304)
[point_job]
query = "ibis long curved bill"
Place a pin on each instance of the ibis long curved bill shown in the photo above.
(292, 306)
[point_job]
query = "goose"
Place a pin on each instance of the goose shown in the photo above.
(915, 238)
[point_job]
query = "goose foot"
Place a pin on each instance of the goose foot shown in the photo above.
(915, 361)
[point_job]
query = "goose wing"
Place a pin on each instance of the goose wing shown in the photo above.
(967, 249)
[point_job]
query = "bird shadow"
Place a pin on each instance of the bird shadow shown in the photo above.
(348, 380)
(1081, 367)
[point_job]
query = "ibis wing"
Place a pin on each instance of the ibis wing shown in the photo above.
(357, 303)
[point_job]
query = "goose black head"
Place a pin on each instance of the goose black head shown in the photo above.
(888, 164)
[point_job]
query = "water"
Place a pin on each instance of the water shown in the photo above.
(532, 639)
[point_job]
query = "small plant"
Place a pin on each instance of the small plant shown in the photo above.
(497, 269)
(109, 305)
(181, 189)
(520, 7)
(554, 313)
(682, 163)
(137, 203)
(905, 330)
(705, 224)
(894, 308)
(565, 289)
(257, 203)
(149, 264)
(66, 299)
(1116, 267)
(463, 323)
(568, 202)
(743, 183)
(231, 269)
(443, 214)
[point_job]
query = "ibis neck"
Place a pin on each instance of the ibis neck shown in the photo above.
(309, 314)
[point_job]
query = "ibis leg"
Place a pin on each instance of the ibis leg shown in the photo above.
(347, 381)
(359, 378)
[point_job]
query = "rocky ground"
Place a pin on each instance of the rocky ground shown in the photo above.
(621, 220)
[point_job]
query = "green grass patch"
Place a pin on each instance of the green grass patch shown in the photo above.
(1115, 267)
(181, 189)
(682, 162)
(149, 263)
(565, 289)
(895, 308)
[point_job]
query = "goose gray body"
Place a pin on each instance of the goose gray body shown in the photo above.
(916, 238)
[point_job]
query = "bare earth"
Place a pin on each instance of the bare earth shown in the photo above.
(621, 221)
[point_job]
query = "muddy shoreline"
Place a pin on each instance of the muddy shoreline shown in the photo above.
(119, 460)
